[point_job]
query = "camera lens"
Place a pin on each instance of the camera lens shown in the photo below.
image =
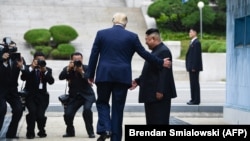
(77, 63)
(41, 63)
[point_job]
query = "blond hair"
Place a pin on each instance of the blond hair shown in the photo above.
(120, 18)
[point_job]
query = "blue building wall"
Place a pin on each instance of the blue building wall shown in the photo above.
(237, 66)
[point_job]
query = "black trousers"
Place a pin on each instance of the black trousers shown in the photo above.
(3, 109)
(70, 110)
(195, 87)
(37, 105)
(10, 95)
(157, 113)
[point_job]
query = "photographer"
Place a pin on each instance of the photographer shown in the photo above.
(80, 93)
(11, 63)
(37, 75)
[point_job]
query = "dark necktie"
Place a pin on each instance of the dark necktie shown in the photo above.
(38, 75)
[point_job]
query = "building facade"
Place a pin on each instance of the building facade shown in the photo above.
(237, 103)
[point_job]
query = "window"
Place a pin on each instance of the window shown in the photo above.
(247, 31)
(239, 35)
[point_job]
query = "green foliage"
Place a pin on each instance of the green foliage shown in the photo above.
(205, 44)
(63, 51)
(45, 49)
(184, 48)
(37, 36)
(217, 46)
(63, 34)
(57, 37)
(176, 16)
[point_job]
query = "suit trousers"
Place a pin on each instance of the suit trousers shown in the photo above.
(158, 112)
(3, 110)
(17, 111)
(195, 87)
(114, 123)
(70, 110)
(37, 104)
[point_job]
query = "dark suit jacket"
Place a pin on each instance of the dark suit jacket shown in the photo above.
(32, 82)
(114, 48)
(154, 80)
(194, 56)
(9, 75)
(78, 84)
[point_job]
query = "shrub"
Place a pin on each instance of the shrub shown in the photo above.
(216, 45)
(37, 36)
(222, 48)
(45, 49)
(63, 34)
(63, 51)
(205, 44)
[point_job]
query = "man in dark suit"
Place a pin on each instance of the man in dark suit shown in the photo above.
(113, 49)
(37, 75)
(194, 66)
(10, 66)
(157, 86)
(80, 93)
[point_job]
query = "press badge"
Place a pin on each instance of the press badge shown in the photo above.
(40, 85)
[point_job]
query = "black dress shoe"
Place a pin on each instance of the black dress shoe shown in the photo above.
(30, 136)
(42, 134)
(68, 135)
(104, 136)
(92, 136)
(192, 103)
(12, 137)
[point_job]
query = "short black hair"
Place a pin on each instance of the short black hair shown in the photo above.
(152, 30)
(195, 28)
(38, 53)
(75, 53)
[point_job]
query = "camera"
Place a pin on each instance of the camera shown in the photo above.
(15, 56)
(77, 63)
(23, 94)
(10, 47)
(41, 63)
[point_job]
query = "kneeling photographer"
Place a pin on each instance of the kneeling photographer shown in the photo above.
(37, 75)
(11, 63)
(80, 94)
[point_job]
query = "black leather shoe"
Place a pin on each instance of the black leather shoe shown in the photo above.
(12, 137)
(68, 135)
(42, 134)
(92, 136)
(104, 136)
(30, 136)
(192, 103)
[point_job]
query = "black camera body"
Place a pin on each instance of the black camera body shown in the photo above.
(12, 50)
(23, 94)
(41, 63)
(77, 63)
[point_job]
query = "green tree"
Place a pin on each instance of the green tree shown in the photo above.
(178, 16)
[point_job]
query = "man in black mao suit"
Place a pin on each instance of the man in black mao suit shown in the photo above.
(194, 66)
(80, 93)
(110, 60)
(37, 75)
(157, 86)
(10, 69)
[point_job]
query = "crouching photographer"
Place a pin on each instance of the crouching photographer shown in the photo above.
(37, 75)
(11, 64)
(80, 94)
